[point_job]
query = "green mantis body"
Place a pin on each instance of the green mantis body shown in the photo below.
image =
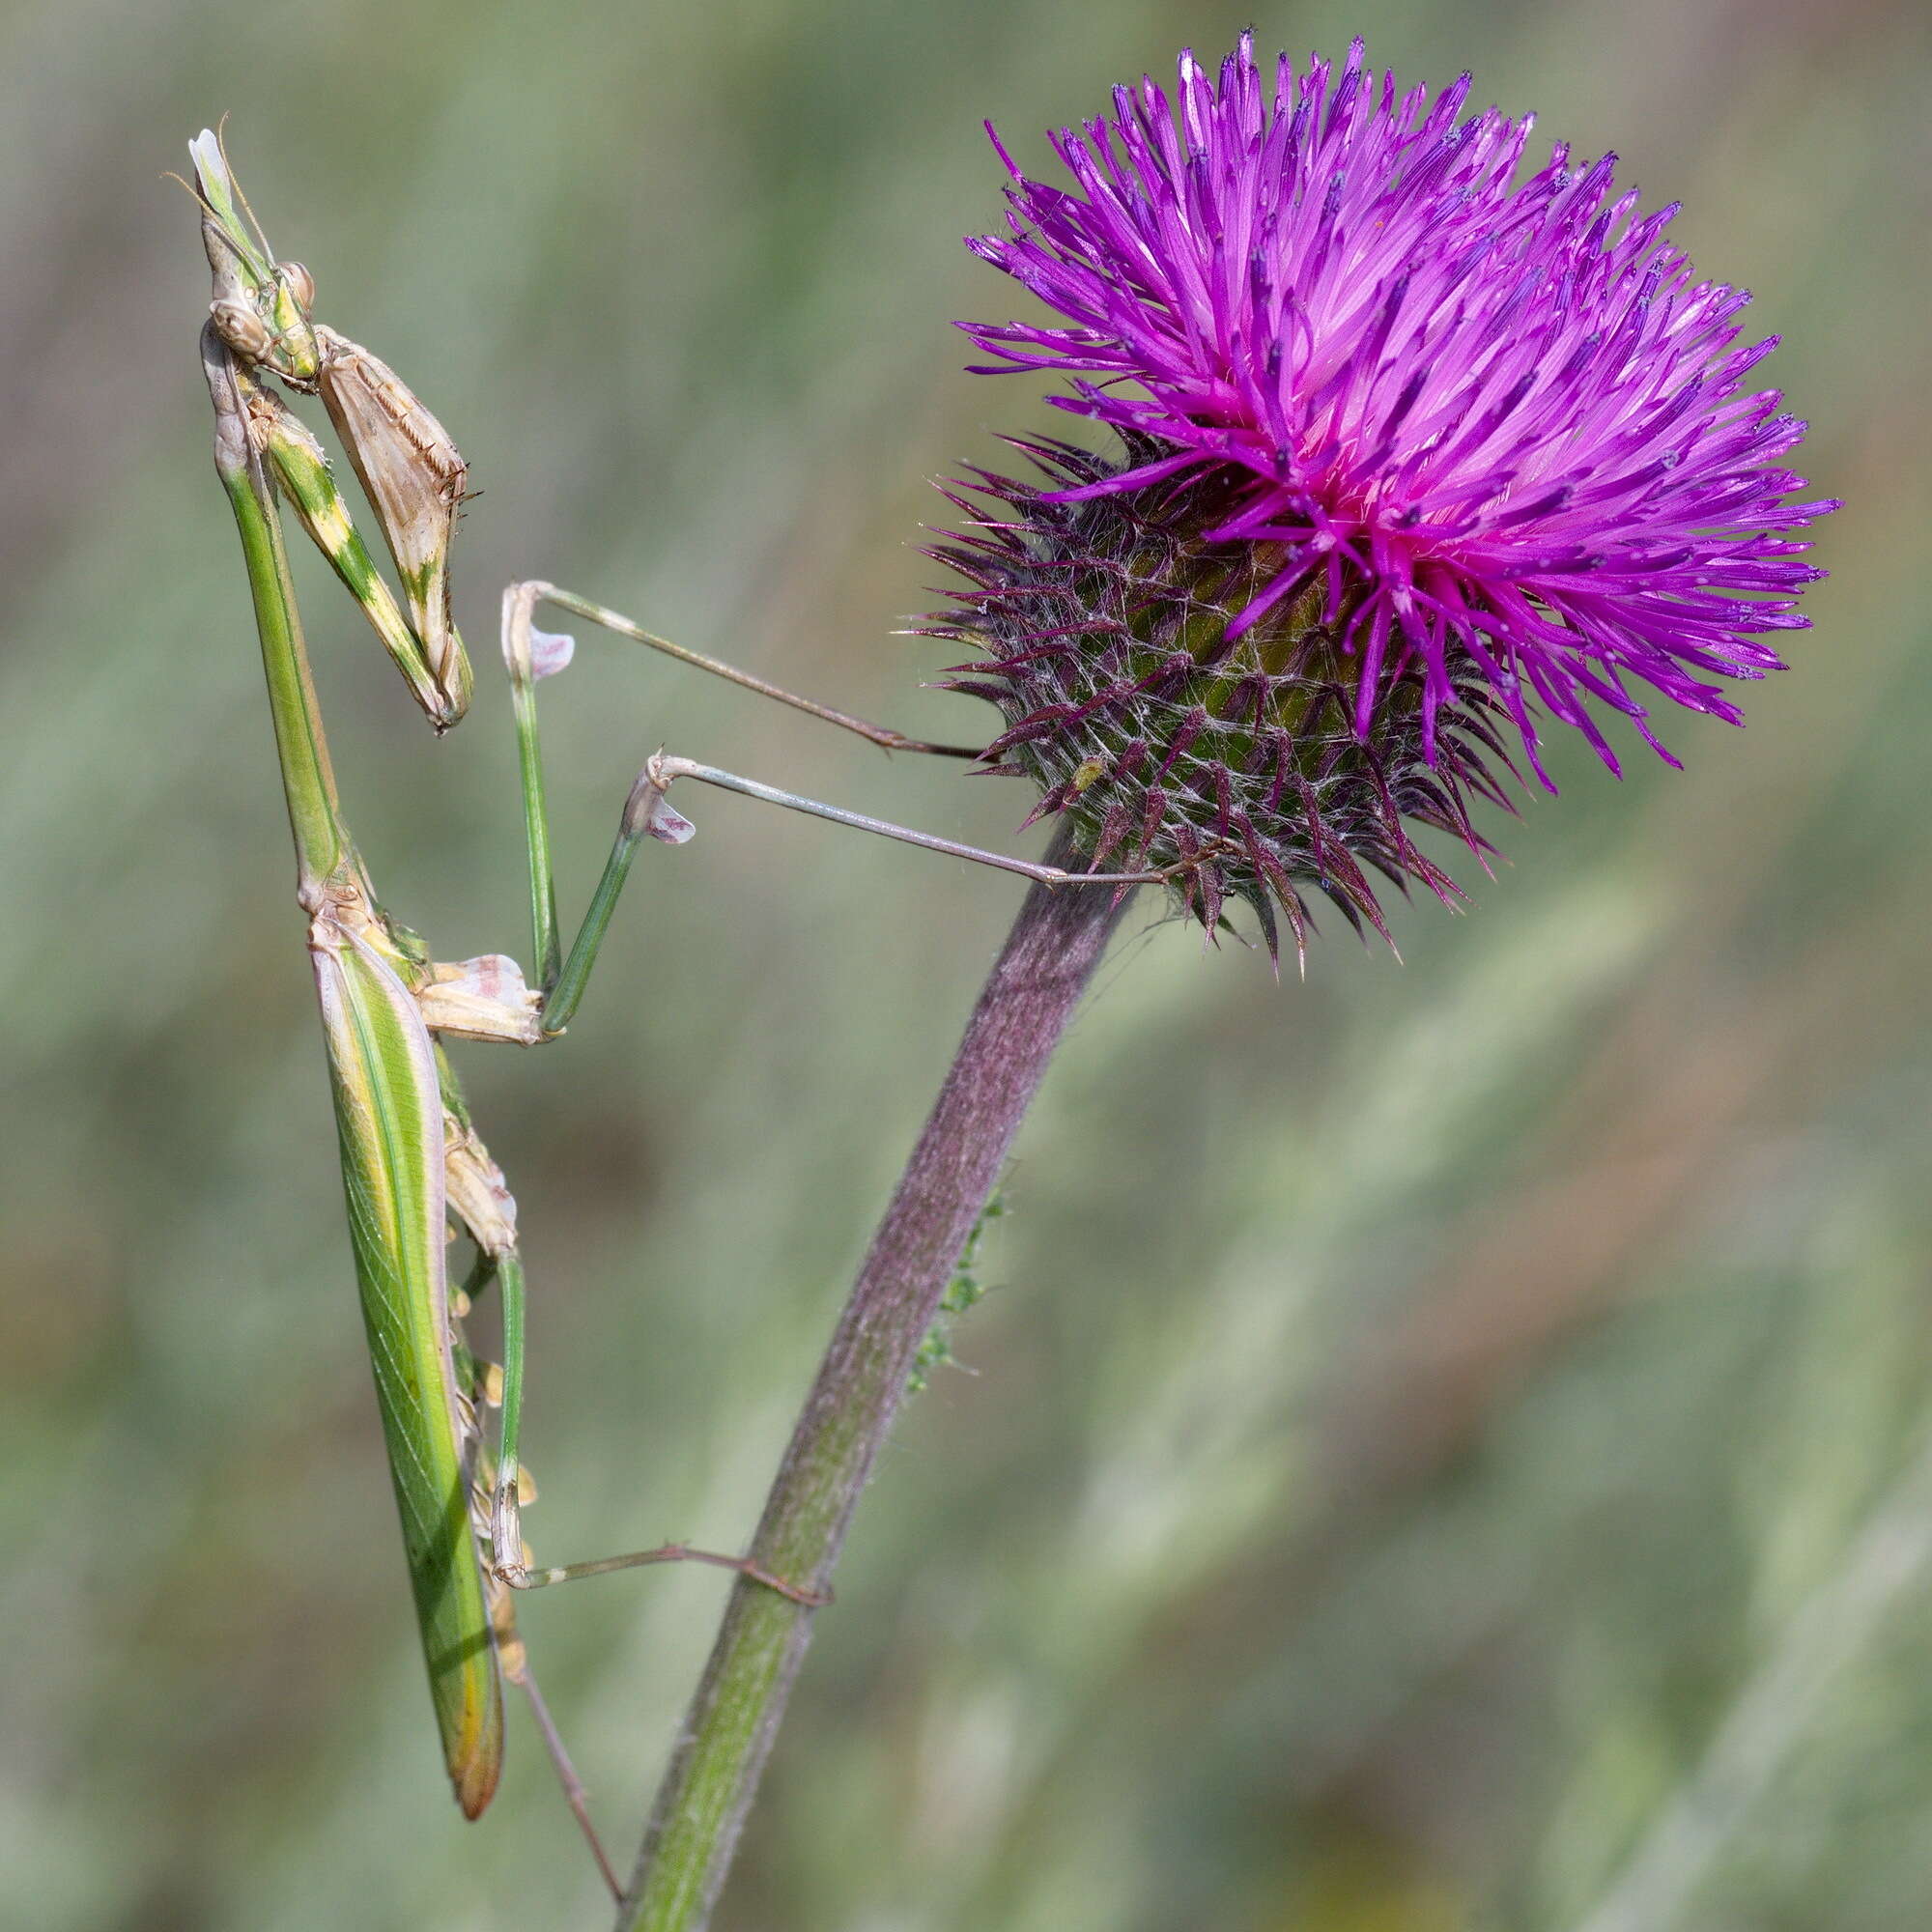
(415, 1173)
(390, 1098)
(412, 1163)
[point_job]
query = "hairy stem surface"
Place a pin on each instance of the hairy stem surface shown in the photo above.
(1034, 990)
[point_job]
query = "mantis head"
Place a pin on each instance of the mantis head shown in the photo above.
(261, 306)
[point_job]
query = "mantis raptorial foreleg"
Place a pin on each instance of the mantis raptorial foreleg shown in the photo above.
(406, 461)
(306, 485)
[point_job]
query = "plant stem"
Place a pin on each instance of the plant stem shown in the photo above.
(1034, 988)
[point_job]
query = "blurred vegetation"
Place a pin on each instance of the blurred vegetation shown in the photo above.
(1415, 1410)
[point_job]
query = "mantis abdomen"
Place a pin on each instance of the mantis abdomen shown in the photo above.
(389, 1116)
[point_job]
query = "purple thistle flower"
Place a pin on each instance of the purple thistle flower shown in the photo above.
(1448, 445)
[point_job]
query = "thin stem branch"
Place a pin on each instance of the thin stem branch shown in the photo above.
(1034, 990)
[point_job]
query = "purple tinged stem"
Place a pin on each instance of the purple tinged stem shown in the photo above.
(1034, 989)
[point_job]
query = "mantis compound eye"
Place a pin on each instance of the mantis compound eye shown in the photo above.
(298, 282)
(241, 328)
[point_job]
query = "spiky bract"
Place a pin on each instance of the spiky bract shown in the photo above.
(1173, 740)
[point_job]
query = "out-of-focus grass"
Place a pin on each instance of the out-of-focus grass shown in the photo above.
(1416, 1403)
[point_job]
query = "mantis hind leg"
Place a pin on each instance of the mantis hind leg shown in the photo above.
(512, 1565)
(574, 1793)
(499, 1486)
(485, 1383)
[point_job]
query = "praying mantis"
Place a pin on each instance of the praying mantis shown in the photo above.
(415, 1173)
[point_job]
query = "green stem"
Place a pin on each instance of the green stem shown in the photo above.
(1035, 985)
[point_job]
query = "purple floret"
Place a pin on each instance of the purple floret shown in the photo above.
(1501, 423)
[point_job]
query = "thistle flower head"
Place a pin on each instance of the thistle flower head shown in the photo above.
(1411, 454)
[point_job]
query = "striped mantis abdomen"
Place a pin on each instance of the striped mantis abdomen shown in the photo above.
(389, 1120)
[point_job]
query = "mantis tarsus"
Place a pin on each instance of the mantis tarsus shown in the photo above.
(413, 1169)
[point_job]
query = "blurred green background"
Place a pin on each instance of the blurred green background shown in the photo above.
(1444, 1450)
